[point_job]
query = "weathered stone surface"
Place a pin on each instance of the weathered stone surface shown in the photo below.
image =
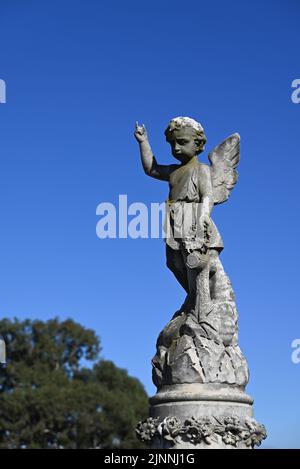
(200, 351)
(227, 432)
(183, 361)
(198, 368)
(213, 403)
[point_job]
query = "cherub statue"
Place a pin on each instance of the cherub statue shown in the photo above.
(193, 242)
(194, 190)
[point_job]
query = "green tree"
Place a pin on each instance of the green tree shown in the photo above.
(49, 400)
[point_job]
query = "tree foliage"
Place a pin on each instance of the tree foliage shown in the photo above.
(49, 400)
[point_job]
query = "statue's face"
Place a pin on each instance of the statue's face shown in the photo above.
(184, 144)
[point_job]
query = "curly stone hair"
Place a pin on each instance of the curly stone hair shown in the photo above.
(180, 122)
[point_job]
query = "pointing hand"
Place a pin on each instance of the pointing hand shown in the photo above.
(140, 132)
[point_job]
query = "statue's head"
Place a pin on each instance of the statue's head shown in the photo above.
(186, 137)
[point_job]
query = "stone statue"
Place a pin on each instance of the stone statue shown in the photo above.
(199, 369)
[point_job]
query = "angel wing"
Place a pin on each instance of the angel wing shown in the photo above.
(224, 160)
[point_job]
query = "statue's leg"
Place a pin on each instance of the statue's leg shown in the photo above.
(192, 282)
(175, 262)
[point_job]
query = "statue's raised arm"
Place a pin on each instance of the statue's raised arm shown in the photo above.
(150, 165)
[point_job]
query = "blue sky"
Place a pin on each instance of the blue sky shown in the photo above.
(78, 75)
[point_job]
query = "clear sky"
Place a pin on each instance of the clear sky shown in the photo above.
(79, 74)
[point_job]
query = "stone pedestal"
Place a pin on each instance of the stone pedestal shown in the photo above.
(201, 416)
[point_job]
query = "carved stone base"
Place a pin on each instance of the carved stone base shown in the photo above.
(201, 416)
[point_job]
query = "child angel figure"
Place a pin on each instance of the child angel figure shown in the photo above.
(194, 189)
